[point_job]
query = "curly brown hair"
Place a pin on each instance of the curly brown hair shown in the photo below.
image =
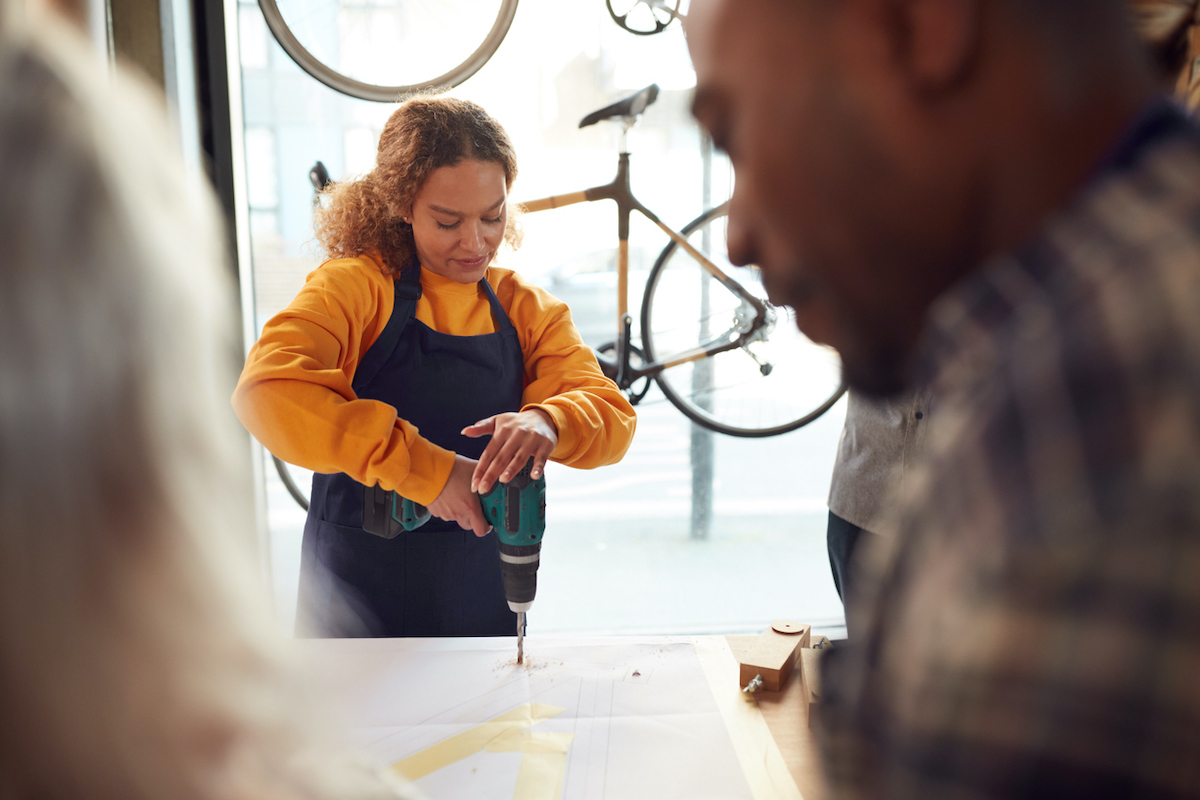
(364, 216)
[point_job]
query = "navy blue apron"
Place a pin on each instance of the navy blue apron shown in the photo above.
(438, 580)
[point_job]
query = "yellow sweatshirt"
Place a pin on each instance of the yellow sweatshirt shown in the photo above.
(295, 392)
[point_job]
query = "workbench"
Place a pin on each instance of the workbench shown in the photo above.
(786, 714)
(401, 695)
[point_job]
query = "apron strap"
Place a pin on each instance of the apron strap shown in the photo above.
(503, 323)
(408, 292)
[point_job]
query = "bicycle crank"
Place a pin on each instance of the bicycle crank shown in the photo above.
(609, 366)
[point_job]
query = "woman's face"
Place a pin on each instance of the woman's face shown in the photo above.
(458, 219)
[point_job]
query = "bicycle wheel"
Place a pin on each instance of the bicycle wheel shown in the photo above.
(643, 17)
(775, 384)
(382, 50)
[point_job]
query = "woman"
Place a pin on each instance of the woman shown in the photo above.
(137, 655)
(398, 360)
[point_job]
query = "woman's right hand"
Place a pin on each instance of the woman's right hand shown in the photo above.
(457, 502)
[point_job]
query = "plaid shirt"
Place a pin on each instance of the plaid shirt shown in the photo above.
(1035, 629)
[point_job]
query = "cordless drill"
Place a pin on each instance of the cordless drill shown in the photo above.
(517, 512)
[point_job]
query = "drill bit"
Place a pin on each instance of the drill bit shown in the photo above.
(520, 636)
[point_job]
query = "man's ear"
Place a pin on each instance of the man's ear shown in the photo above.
(936, 41)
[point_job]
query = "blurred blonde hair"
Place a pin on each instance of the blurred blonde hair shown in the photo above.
(1172, 30)
(136, 652)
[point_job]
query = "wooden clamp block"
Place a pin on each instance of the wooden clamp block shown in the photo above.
(774, 655)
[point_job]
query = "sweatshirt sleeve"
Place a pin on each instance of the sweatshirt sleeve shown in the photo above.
(295, 394)
(594, 419)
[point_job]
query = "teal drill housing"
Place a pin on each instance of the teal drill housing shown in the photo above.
(516, 511)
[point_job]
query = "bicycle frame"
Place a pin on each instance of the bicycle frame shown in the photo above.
(620, 191)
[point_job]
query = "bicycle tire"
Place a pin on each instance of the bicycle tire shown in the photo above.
(289, 482)
(376, 92)
(735, 397)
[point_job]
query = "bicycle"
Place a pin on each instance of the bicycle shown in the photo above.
(718, 349)
(645, 17)
(312, 20)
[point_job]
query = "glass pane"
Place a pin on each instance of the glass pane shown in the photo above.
(262, 167)
(622, 552)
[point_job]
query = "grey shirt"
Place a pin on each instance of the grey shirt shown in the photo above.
(880, 441)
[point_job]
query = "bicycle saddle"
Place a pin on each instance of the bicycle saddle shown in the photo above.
(629, 107)
(319, 176)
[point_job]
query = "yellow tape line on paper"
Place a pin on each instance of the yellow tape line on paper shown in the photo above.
(759, 755)
(543, 754)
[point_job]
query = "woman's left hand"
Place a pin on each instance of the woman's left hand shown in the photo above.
(516, 438)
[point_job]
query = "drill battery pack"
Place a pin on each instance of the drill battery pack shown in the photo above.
(387, 514)
(517, 510)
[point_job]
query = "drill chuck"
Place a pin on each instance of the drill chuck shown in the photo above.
(519, 566)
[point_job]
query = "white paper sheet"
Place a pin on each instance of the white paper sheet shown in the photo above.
(636, 717)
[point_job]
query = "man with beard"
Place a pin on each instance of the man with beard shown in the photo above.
(993, 199)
